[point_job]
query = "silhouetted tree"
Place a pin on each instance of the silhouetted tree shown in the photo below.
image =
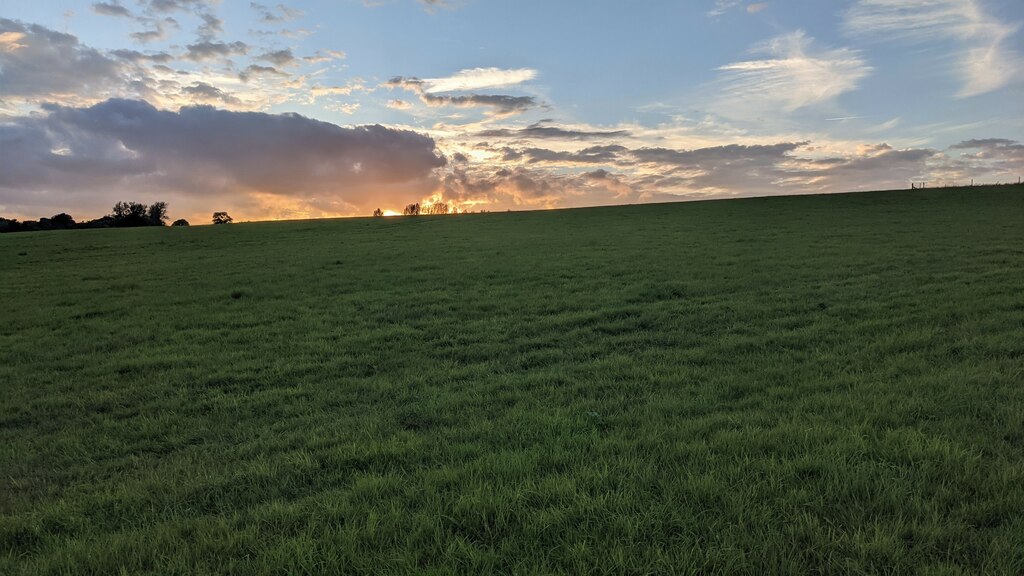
(437, 208)
(104, 222)
(222, 218)
(412, 210)
(157, 213)
(378, 212)
(9, 225)
(62, 221)
(180, 222)
(127, 214)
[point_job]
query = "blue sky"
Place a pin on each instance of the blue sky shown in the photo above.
(497, 105)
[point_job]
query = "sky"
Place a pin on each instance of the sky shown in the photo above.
(308, 109)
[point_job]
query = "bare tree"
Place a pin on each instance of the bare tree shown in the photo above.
(378, 212)
(412, 210)
(437, 208)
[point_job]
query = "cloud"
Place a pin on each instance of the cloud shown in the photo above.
(429, 5)
(276, 14)
(592, 155)
(543, 129)
(159, 29)
(113, 8)
(986, 58)
(211, 27)
(501, 105)
(737, 156)
(136, 57)
(520, 187)
(723, 6)
(278, 57)
(795, 75)
(178, 5)
(253, 70)
(986, 143)
(203, 92)
(324, 56)
(207, 50)
(478, 79)
(1001, 157)
(11, 40)
(205, 157)
(37, 62)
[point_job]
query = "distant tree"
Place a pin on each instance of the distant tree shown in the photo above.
(104, 222)
(378, 212)
(412, 210)
(180, 222)
(222, 218)
(157, 213)
(437, 208)
(62, 221)
(129, 214)
(9, 225)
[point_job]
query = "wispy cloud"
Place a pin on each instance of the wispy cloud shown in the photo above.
(500, 104)
(986, 59)
(793, 75)
(275, 14)
(723, 6)
(478, 79)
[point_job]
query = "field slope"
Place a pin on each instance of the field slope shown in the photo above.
(789, 385)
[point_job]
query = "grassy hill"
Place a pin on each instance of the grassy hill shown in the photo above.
(804, 384)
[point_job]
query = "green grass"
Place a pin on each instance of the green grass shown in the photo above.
(828, 384)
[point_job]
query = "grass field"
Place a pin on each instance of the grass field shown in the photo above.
(827, 384)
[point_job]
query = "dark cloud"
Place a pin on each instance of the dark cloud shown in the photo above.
(278, 57)
(986, 143)
(592, 155)
(502, 105)
(211, 27)
(207, 50)
(111, 9)
(258, 70)
(201, 152)
(136, 57)
(48, 63)
(203, 92)
(543, 130)
(736, 155)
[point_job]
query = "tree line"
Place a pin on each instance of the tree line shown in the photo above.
(417, 209)
(123, 215)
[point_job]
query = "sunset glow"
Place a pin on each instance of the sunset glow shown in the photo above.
(304, 111)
